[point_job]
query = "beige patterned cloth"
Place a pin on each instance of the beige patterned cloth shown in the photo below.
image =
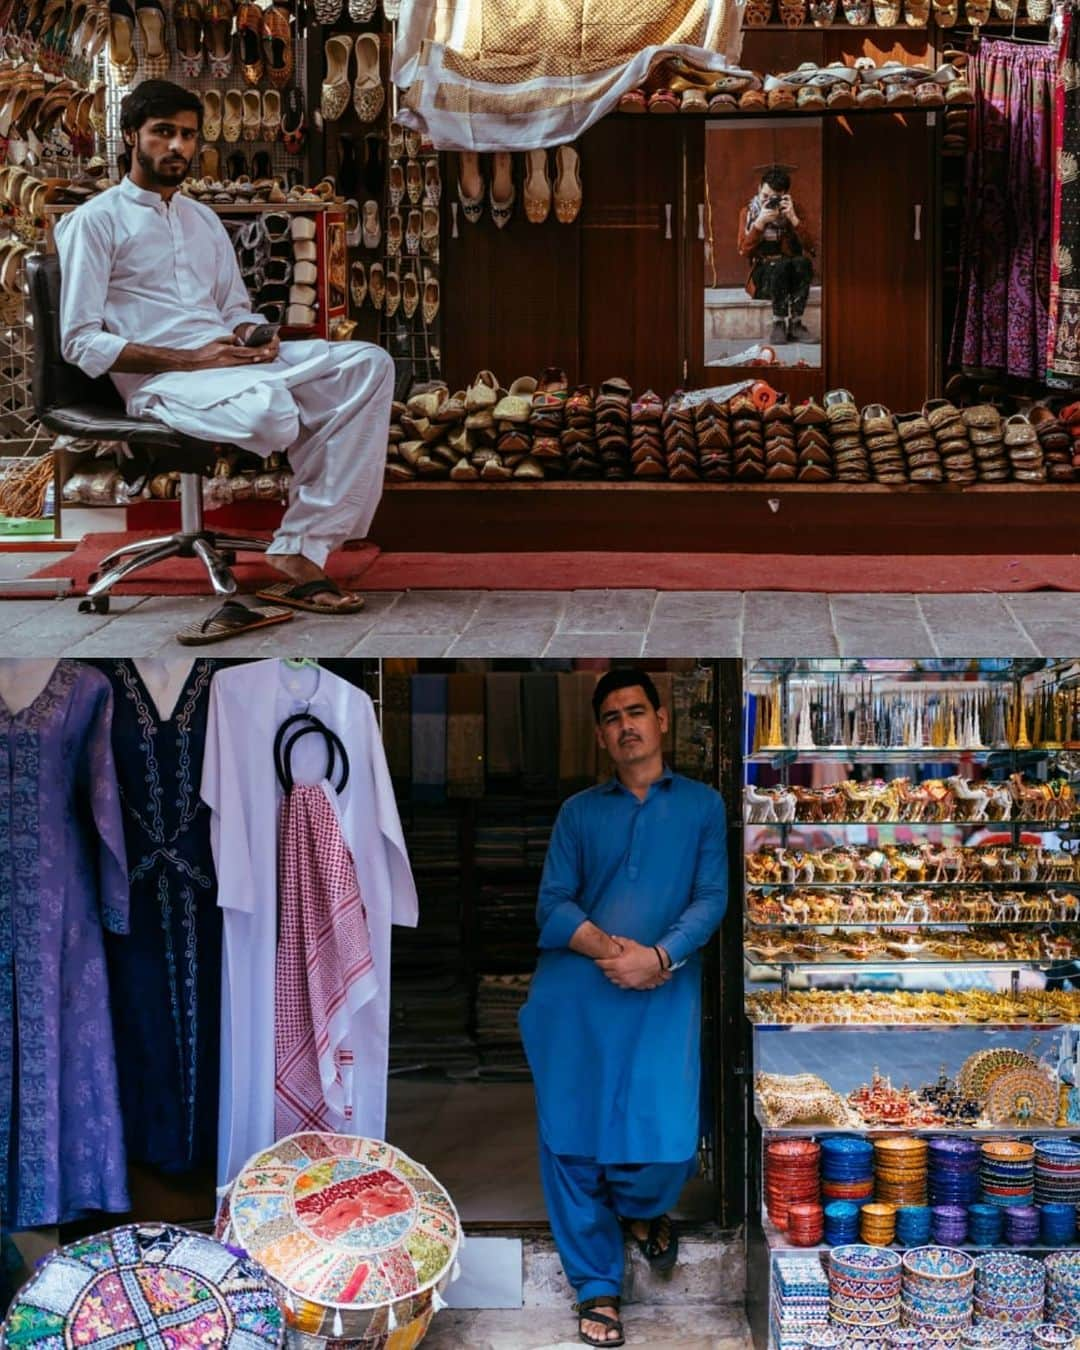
(524, 74)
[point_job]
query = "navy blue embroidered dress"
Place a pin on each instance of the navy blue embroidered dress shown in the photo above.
(62, 880)
(165, 976)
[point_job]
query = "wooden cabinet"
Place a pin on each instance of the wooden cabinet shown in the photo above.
(598, 297)
(879, 259)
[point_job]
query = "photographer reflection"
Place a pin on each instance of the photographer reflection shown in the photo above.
(780, 248)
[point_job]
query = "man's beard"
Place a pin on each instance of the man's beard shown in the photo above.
(153, 177)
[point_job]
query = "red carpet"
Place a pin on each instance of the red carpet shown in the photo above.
(187, 576)
(369, 569)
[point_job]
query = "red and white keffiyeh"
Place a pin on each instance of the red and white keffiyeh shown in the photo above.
(325, 970)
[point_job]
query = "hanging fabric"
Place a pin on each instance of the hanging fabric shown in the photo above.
(1063, 341)
(465, 736)
(165, 974)
(429, 699)
(524, 74)
(63, 880)
(247, 707)
(1002, 312)
(325, 971)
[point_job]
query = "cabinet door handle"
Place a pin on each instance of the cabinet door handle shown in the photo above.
(918, 222)
(667, 219)
(701, 220)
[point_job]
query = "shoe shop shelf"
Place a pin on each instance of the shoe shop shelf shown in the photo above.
(740, 114)
(445, 517)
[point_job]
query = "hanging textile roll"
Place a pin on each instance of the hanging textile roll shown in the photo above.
(146, 1284)
(540, 732)
(362, 1239)
(397, 731)
(465, 736)
(503, 724)
(429, 693)
(577, 734)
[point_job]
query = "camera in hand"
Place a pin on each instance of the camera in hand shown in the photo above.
(773, 203)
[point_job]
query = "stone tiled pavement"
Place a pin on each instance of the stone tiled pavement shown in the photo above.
(577, 623)
(647, 1328)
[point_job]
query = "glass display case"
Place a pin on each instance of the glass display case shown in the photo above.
(911, 919)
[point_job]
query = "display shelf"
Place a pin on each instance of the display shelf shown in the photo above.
(1036, 826)
(775, 114)
(862, 755)
(947, 925)
(908, 1026)
(874, 966)
(778, 1241)
(988, 669)
(960, 1131)
(913, 886)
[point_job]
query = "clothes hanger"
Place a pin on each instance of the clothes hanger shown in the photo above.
(299, 662)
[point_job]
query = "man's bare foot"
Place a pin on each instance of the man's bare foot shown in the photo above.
(657, 1240)
(600, 1333)
(300, 570)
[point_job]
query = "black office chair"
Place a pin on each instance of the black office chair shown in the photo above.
(70, 403)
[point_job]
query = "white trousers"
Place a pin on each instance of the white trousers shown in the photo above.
(334, 426)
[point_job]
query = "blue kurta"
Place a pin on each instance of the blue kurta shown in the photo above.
(617, 1071)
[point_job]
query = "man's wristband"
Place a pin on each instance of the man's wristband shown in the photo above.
(659, 957)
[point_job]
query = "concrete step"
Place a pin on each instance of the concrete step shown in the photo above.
(732, 315)
(711, 1270)
(694, 1327)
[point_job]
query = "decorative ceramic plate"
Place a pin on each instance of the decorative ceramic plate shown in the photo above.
(146, 1285)
(344, 1224)
(979, 1069)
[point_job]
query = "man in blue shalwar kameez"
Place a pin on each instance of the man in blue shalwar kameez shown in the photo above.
(634, 885)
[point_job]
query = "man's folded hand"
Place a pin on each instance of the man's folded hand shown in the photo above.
(228, 350)
(636, 967)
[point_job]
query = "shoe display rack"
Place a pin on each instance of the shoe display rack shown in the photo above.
(912, 897)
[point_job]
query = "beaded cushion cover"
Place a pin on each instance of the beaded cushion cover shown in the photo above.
(343, 1223)
(146, 1285)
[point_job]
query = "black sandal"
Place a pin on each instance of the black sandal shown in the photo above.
(586, 1313)
(229, 620)
(660, 1258)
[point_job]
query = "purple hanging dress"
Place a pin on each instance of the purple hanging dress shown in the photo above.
(63, 879)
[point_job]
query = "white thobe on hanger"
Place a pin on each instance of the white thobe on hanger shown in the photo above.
(247, 705)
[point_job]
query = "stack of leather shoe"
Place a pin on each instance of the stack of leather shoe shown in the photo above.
(983, 423)
(849, 453)
(781, 456)
(712, 427)
(546, 420)
(882, 441)
(1056, 441)
(514, 442)
(747, 439)
(481, 399)
(920, 448)
(812, 443)
(647, 437)
(1025, 452)
(420, 443)
(680, 442)
(579, 434)
(613, 427)
(957, 457)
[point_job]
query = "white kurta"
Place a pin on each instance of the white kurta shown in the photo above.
(247, 705)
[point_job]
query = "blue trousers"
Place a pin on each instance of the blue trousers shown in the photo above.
(585, 1201)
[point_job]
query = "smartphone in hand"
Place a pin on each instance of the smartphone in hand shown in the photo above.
(262, 334)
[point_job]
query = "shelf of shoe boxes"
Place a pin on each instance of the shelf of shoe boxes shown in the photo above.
(23, 440)
(766, 1234)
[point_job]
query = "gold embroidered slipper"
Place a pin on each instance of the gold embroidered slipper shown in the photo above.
(229, 620)
(303, 596)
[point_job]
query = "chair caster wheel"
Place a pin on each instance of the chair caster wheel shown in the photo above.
(98, 605)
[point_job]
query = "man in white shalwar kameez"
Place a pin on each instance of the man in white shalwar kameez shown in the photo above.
(151, 293)
(247, 706)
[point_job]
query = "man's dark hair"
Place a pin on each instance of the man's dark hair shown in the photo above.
(157, 98)
(625, 678)
(778, 179)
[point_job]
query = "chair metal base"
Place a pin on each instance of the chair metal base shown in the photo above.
(217, 552)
